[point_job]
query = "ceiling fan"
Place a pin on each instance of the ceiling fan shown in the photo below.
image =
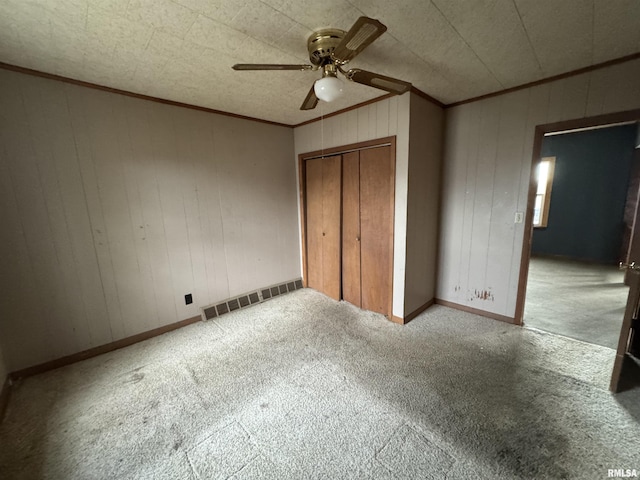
(330, 49)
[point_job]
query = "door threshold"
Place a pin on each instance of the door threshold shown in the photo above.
(539, 330)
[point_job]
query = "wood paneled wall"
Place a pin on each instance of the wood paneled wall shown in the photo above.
(423, 205)
(113, 208)
(377, 120)
(487, 167)
(405, 116)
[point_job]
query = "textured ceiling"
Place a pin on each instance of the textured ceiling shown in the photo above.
(183, 50)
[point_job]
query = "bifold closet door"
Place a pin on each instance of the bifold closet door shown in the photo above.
(351, 287)
(323, 190)
(377, 196)
(368, 186)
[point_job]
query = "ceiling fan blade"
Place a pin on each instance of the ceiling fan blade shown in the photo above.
(311, 101)
(361, 35)
(270, 66)
(376, 80)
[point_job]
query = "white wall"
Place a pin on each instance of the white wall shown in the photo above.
(377, 120)
(423, 204)
(488, 149)
(114, 208)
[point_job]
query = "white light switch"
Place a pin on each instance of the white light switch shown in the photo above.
(519, 217)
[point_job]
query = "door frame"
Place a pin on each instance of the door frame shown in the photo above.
(302, 179)
(622, 361)
(540, 131)
(633, 247)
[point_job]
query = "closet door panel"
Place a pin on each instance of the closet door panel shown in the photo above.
(331, 223)
(377, 190)
(351, 228)
(314, 223)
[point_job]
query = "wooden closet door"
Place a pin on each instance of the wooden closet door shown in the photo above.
(351, 228)
(323, 179)
(377, 196)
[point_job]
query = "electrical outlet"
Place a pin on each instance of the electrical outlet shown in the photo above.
(519, 217)
(188, 299)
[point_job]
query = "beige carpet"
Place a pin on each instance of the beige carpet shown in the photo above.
(578, 300)
(305, 387)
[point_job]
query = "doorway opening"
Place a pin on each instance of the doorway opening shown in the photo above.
(571, 288)
(584, 210)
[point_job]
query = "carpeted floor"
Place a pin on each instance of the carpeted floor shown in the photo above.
(578, 300)
(305, 387)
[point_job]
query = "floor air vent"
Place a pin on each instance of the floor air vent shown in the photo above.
(249, 299)
(209, 312)
(222, 308)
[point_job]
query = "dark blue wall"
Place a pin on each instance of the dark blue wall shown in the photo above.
(589, 194)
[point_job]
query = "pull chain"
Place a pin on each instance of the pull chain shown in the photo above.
(322, 127)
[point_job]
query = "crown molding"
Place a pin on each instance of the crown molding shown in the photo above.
(95, 86)
(572, 73)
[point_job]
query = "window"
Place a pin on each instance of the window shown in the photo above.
(543, 193)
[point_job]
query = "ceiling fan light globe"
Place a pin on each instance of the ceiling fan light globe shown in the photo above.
(328, 88)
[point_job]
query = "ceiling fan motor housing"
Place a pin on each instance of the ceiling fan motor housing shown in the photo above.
(322, 43)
